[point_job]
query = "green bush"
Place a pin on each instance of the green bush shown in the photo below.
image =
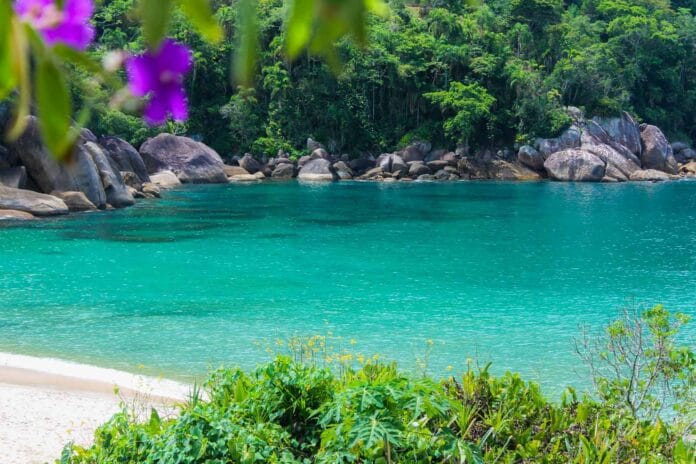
(289, 411)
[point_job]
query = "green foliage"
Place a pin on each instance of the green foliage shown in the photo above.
(467, 103)
(299, 410)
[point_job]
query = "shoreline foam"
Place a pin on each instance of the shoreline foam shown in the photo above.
(46, 403)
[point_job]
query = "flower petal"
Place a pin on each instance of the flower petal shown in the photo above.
(174, 57)
(75, 35)
(79, 11)
(177, 102)
(142, 75)
(156, 110)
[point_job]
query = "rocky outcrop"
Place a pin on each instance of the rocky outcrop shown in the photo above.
(390, 162)
(317, 170)
(283, 171)
(124, 157)
(342, 170)
(623, 130)
(13, 177)
(575, 166)
(14, 215)
(505, 170)
(570, 138)
(117, 193)
(250, 164)
(76, 201)
(617, 165)
(417, 151)
(656, 152)
(650, 175)
(191, 161)
(37, 204)
(417, 168)
(231, 171)
(49, 175)
(531, 157)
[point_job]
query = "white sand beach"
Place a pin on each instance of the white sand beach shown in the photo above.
(46, 403)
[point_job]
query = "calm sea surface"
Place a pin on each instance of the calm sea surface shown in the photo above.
(501, 272)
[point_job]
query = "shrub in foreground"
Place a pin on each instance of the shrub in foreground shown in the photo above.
(293, 412)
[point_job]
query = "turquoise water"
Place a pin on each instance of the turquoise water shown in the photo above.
(502, 272)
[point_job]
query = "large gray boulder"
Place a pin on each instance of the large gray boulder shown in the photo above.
(343, 171)
(617, 165)
(125, 157)
(417, 169)
(38, 204)
(391, 162)
(417, 151)
(80, 174)
(283, 171)
(317, 170)
(575, 165)
(531, 157)
(570, 138)
(117, 194)
(13, 177)
(623, 130)
(657, 152)
(250, 164)
(165, 179)
(191, 161)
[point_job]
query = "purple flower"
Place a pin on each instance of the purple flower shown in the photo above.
(69, 26)
(160, 75)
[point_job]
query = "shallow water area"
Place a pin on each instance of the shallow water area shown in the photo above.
(501, 272)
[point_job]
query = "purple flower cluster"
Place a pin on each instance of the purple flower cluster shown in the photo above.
(160, 75)
(69, 26)
(157, 75)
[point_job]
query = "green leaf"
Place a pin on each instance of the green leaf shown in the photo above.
(201, 16)
(54, 108)
(156, 16)
(299, 26)
(7, 80)
(247, 49)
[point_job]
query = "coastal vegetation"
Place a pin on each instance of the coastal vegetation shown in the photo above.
(314, 405)
(486, 73)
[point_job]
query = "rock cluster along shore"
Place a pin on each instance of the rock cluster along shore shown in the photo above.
(110, 173)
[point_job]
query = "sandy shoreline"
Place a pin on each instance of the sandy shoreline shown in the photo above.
(46, 403)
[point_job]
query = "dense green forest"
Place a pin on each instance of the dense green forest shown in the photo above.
(454, 72)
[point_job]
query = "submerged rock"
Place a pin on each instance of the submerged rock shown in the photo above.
(575, 165)
(191, 161)
(38, 204)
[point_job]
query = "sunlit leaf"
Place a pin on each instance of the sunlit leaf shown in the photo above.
(7, 80)
(299, 28)
(20, 70)
(201, 16)
(155, 16)
(54, 109)
(247, 48)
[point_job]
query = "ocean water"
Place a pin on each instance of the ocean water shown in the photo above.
(209, 275)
